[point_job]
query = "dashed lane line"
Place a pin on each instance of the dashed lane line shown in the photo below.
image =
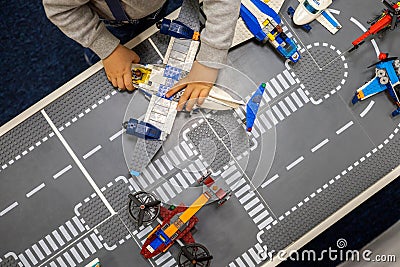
(9, 208)
(345, 127)
(270, 180)
(294, 163)
(91, 152)
(321, 144)
(58, 174)
(114, 136)
(35, 190)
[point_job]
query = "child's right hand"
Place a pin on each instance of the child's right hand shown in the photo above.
(118, 67)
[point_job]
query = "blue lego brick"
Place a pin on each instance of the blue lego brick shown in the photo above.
(253, 105)
(162, 90)
(172, 72)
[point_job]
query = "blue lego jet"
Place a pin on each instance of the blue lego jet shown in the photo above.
(253, 105)
(142, 129)
(268, 28)
(387, 78)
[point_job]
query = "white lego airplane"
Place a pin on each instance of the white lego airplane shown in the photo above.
(310, 10)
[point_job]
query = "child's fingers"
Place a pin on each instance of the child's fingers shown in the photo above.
(179, 86)
(185, 96)
(203, 94)
(120, 82)
(193, 98)
(128, 81)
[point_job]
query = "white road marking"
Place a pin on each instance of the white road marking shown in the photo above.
(294, 163)
(242, 190)
(265, 223)
(162, 194)
(147, 175)
(65, 233)
(251, 204)
(173, 157)
(296, 99)
(324, 142)
(290, 103)
(38, 252)
(272, 117)
(78, 223)
(269, 89)
(266, 122)
(91, 152)
(51, 242)
(161, 259)
(24, 261)
(144, 232)
(35, 190)
(175, 185)
(71, 228)
(58, 238)
(278, 113)
(182, 180)
(341, 130)
(134, 184)
(180, 153)
(283, 82)
(227, 172)
(96, 241)
(170, 263)
(167, 162)
(367, 109)
(160, 166)
(248, 260)
(188, 176)
(240, 262)
(334, 11)
(69, 259)
(116, 135)
(169, 190)
(58, 174)
(256, 210)
(31, 257)
(261, 216)
(254, 255)
(187, 149)
(303, 95)
(52, 264)
(270, 180)
(238, 184)
(77, 161)
(289, 77)
(45, 247)
(76, 255)
(153, 170)
(276, 86)
(61, 262)
(13, 205)
(233, 178)
(284, 108)
(83, 250)
(89, 245)
(156, 48)
(246, 197)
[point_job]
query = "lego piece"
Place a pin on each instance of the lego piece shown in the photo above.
(142, 129)
(252, 106)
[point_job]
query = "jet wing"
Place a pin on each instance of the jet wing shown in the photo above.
(370, 88)
(328, 21)
(242, 34)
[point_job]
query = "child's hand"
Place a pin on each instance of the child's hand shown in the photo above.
(198, 84)
(118, 67)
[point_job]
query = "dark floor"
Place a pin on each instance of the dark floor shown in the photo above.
(36, 58)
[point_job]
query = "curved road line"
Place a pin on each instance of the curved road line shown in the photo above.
(334, 11)
(367, 109)
(377, 51)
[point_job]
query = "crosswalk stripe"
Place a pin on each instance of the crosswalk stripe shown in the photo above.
(153, 171)
(268, 88)
(265, 121)
(276, 86)
(83, 250)
(78, 223)
(144, 232)
(248, 260)
(31, 257)
(76, 255)
(290, 103)
(265, 223)
(284, 108)
(134, 184)
(233, 178)
(51, 242)
(175, 185)
(96, 241)
(256, 210)
(142, 181)
(187, 149)
(38, 252)
(170, 263)
(71, 228)
(89, 245)
(58, 238)
(238, 184)
(251, 203)
(255, 132)
(266, 98)
(52, 264)
(259, 126)
(289, 77)
(254, 255)
(162, 194)
(65, 233)
(45, 247)
(61, 262)
(180, 153)
(160, 166)
(69, 259)
(240, 113)
(303, 95)
(232, 264)
(200, 165)
(24, 261)
(277, 112)
(228, 171)
(182, 180)
(246, 197)
(161, 259)
(296, 99)
(260, 216)
(283, 81)
(272, 117)
(147, 175)
(188, 176)
(240, 262)
(169, 190)
(242, 190)
(167, 162)
(173, 157)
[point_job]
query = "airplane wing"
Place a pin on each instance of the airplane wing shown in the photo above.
(188, 238)
(328, 21)
(242, 34)
(369, 89)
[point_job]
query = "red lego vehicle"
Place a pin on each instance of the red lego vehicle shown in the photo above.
(215, 188)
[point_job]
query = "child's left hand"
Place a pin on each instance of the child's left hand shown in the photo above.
(198, 84)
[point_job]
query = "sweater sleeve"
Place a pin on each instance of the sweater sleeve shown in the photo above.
(77, 20)
(217, 36)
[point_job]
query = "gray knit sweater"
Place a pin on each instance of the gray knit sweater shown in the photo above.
(79, 20)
